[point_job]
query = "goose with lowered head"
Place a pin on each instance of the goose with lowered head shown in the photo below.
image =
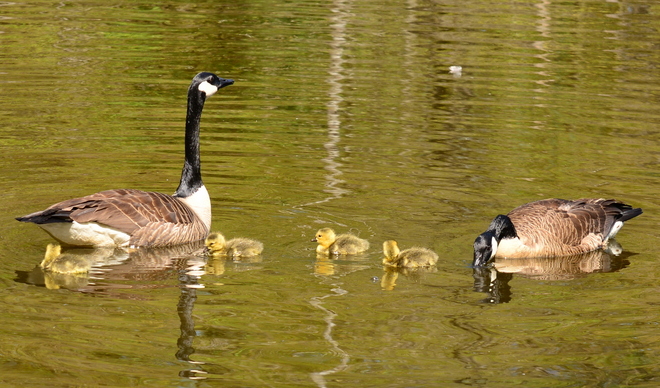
(552, 227)
(127, 217)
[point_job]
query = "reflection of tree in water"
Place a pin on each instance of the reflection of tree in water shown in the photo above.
(494, 279)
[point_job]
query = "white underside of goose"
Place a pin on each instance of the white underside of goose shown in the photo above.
(86, 234)
(510, 247)
(516, 248)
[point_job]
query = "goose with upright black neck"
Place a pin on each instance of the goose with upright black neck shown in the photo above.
(135, 218)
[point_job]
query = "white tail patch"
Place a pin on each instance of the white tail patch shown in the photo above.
(207, 88)
(615, 229)
(86, 234)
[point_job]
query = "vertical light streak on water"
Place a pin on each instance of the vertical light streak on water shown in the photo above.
(543, 28)
(319, 377)
(338, 24)
(410, 37)
(341, 13)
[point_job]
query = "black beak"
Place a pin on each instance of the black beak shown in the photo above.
(222, 82)
(314, 239)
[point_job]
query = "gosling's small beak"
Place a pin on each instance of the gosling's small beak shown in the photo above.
(314, 239)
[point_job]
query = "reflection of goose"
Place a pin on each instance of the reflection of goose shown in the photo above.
(552, 227)
(343, 244)
(140, 218)
(110, 264)
(234, 248)
(562, 267)
(410, 258)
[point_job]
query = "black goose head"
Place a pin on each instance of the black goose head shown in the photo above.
(485, 245)
(209, 83)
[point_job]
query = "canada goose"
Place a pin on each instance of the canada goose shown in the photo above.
(343, 244)
(410, 258)
(552, 227)
(140, 218)
(234, 248)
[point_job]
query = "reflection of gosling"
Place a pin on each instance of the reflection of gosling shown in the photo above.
(344, 244)
(410, 258)
(234, 248)
(55, 261)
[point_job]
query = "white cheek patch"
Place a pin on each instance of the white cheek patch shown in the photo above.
(207, 88)
(493, 247)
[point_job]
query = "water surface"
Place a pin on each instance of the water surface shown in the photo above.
(344, 114)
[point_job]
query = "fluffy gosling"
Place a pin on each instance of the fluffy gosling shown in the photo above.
(216, 245)
(410, 258)
(343, 244)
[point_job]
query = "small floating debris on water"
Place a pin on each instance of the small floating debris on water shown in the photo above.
(456, 71)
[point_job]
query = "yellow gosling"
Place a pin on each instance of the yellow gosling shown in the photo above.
(410, 258)
(235, 248)
(343, 244)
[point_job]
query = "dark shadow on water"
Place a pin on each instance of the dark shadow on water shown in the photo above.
(494, 279)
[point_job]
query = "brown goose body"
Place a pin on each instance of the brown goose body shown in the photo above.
(137, 218)
(553, 227)
(128, 217)
(409, 258)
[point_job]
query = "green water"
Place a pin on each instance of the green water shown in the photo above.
(343, 114)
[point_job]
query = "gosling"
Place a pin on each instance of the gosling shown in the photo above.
(343, 244)
(410, 258)
(216, 245)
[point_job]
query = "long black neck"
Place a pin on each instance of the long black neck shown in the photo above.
(191, 175)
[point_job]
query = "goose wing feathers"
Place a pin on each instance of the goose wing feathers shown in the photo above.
(149, 217)
(569, 222)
